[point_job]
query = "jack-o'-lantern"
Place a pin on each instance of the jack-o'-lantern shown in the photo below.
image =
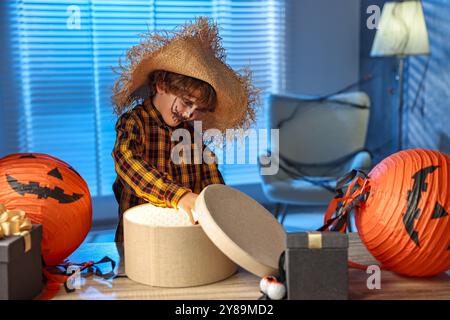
(51, 193)
(402, 211)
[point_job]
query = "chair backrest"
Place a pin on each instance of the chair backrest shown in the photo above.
(319, 131)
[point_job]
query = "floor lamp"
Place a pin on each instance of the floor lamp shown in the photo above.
(402, 32)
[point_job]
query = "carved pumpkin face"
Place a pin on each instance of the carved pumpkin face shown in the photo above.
(405, 222)
(51, 193)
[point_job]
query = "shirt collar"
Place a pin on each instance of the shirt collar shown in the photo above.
(154, 113)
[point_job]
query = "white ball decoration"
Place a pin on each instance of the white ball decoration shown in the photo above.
(276, 290)
(264, 283)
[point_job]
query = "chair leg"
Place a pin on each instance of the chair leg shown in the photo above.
(349, 223)
(277, 210)
(284, 213)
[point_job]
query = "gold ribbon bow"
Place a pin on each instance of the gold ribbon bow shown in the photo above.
(15, 223)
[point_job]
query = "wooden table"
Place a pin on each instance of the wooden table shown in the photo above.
(244, 285)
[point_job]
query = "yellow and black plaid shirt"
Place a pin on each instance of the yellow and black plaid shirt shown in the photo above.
(145, 171)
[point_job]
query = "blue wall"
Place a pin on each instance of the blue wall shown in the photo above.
(321, 45)
(427, 117)
(382, 133)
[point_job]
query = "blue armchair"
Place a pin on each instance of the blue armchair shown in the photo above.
(319, 141)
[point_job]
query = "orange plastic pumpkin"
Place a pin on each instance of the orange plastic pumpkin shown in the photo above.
(51, 193)
(404, 222)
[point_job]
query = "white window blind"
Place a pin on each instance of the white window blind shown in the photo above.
(65, 69)
(253, 35)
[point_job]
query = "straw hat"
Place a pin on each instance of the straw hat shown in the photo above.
(194, 51)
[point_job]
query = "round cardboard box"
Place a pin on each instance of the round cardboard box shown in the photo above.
(162, 248)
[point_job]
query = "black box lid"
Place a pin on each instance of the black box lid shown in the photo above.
(316, 240)
(14, 246)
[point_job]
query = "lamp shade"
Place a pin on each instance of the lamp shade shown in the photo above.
(401, 30)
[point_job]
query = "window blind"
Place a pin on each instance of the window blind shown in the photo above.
(64, 52)
(57, 105)
(253, 35)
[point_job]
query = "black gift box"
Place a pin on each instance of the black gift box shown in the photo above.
(316, 266)
(20, 271)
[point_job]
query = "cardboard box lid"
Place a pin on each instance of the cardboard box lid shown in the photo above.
(13, 246)
(316, 240)
(241, 228)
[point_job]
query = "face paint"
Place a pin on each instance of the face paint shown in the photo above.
(178, 116)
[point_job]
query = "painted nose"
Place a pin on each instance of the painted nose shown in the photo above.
(187, 112)
(181, 109)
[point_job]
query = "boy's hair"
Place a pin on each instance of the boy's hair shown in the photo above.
(184, 86)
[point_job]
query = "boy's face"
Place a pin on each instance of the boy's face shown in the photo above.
(175, 109)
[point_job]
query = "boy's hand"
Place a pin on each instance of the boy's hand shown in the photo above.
(187, 204)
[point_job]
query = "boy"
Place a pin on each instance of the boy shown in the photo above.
(187, 79)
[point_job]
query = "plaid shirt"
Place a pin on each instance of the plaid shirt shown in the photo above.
(145, 171)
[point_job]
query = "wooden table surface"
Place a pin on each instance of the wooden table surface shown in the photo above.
(244, 285)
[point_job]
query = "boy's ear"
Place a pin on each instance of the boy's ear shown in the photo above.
(159, 88)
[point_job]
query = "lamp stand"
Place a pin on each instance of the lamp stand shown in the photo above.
(401, 69)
